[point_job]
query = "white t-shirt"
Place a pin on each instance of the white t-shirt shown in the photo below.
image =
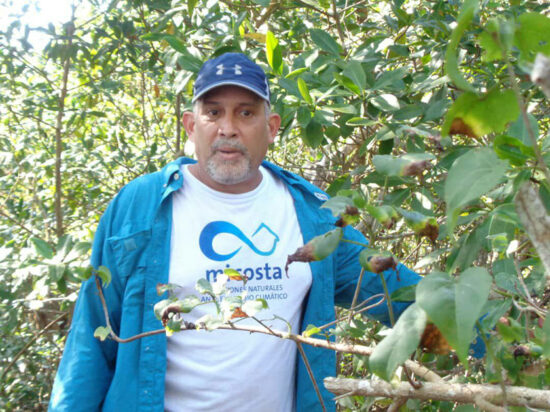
(253, 232)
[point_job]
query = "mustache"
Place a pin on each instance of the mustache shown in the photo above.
(228, 143)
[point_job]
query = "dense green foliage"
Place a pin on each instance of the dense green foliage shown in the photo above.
(421, 114)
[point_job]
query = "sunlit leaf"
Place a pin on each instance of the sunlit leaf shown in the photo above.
(338, 204)
(476, 116)
(304, 91)
(42, 247)
(472, 175)
(102, 333)
(274, 54)
(311, 330)
(385, 102)
(467, 12)
(251, 307)
(104, 274)
(533, 35)
(204, 286)
(325, 42)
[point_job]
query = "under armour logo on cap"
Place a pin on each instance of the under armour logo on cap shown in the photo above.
(231, 69)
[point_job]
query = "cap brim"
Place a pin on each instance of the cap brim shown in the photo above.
(231, 83)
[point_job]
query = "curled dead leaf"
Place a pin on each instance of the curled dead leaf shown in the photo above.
(238, 313)
(459, 127)
(433, 341)
(379, 264)
(350, 216)
(416, 168)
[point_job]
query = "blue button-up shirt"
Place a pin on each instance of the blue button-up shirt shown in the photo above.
(133, 241)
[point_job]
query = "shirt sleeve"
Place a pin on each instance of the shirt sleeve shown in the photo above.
(348, 270)
(87, 366)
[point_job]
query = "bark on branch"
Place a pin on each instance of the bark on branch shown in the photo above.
(453, 392)
(536, 221)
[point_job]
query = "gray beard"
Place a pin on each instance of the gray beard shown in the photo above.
(229, 172)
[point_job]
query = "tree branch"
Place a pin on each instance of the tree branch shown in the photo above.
(533, 216)
(58, 130)
(453, 392)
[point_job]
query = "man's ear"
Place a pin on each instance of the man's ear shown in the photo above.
(188, 120)
(274, 122)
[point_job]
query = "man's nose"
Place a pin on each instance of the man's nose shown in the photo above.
(228, 126)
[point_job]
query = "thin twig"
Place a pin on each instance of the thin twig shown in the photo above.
(356, 294)
(356, 310)
(310, 373)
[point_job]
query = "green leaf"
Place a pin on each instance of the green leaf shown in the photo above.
(104, 274)
(390, 79)
(469, 8)
(203, 286)
(274, 54)
(398, 345)
(175, 43)
(396, 166)
(386, 215)
(313, 134)
(354, 71)
(360, 121)
(317, 248)
(304, 91)
(251, 307)
(420, 223)
(210, 322)
(514, 332)
(188, 303)
(342, 108)
(512, 149)
(533, 35)
(546, 337)
(404, 294)
(473, 174)
(488, 40)
(166, 287)
(102, 333)
(338, 204)
(88, 272)
(519, 130)
(296, 72)
(325, 42)
(342, 182)
(476, 116)
(311, 330)
(386, 102)
(455, 304)
(57, 271)
(42, 247)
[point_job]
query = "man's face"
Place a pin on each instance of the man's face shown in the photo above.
(231, 133)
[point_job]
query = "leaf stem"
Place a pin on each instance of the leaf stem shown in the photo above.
(388, 299)
(353, 242)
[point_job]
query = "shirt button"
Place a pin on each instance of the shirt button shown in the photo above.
(146, 348)
(176, 176)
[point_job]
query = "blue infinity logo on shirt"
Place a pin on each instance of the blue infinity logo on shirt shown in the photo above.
(216, 228)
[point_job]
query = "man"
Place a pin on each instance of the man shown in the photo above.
(190, 221)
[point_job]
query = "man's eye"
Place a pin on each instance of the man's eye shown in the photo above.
(213, 112)
(246, 113)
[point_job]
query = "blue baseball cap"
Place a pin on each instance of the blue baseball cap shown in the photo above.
(231, 69)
